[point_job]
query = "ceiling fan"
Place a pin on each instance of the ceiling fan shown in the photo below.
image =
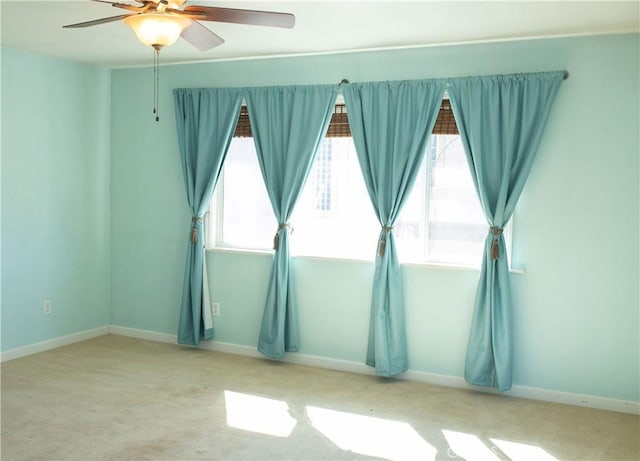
(160, 23)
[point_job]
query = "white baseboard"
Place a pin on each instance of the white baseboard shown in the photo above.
(567, 398)
(143, 334)
(52, 343)
(579, 400)
(533, 393)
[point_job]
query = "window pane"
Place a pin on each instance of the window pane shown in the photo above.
(457, 226)
(334, 217)
(321, 176)
(247, 216)
(410, 225)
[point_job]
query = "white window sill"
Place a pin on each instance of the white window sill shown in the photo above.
(420, 264)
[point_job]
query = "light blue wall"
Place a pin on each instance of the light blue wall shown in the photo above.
(55, 203)
(576, 229)
(575, 232)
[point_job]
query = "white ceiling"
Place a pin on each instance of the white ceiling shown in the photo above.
(321, 27)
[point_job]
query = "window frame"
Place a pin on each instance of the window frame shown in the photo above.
(444, 123)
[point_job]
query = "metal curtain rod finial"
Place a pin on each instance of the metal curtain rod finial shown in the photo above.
(566, 75)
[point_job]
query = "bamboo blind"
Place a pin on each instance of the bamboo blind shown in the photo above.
(339, 124)
(445, 123)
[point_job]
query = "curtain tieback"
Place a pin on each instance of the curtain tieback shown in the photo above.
(276, 238)
(383, 241)
(194, 229)
(495, 248)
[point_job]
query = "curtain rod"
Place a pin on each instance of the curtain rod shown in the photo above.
(344, 81)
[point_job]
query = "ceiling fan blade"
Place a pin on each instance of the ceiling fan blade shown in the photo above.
(237, 16)
(201, 37)
(125, 6)
(95, 22)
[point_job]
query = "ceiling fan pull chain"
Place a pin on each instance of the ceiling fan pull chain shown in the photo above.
(156, 82)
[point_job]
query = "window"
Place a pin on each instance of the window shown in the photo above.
(441, 222)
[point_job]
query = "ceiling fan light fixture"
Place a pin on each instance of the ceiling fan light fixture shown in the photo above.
(157, 29)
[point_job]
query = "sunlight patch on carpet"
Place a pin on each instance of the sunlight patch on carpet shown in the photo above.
(471, 448)
(523, 452)
(468, 446)
(258, 414)
(371, 436)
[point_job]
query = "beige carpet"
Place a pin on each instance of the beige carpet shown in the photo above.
(116, 398)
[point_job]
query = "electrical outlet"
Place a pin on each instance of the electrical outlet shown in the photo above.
(46, 306)
(215, 307)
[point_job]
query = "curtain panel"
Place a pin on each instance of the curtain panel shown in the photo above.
(391, 123)
(205, 122)
(288, 125)
(501, 120)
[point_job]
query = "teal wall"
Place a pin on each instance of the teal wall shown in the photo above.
(575, 231)
(55, 202)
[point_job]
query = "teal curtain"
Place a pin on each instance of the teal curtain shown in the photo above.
(391, 123)
(501, 120)
(288, 124)
(205, 121)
